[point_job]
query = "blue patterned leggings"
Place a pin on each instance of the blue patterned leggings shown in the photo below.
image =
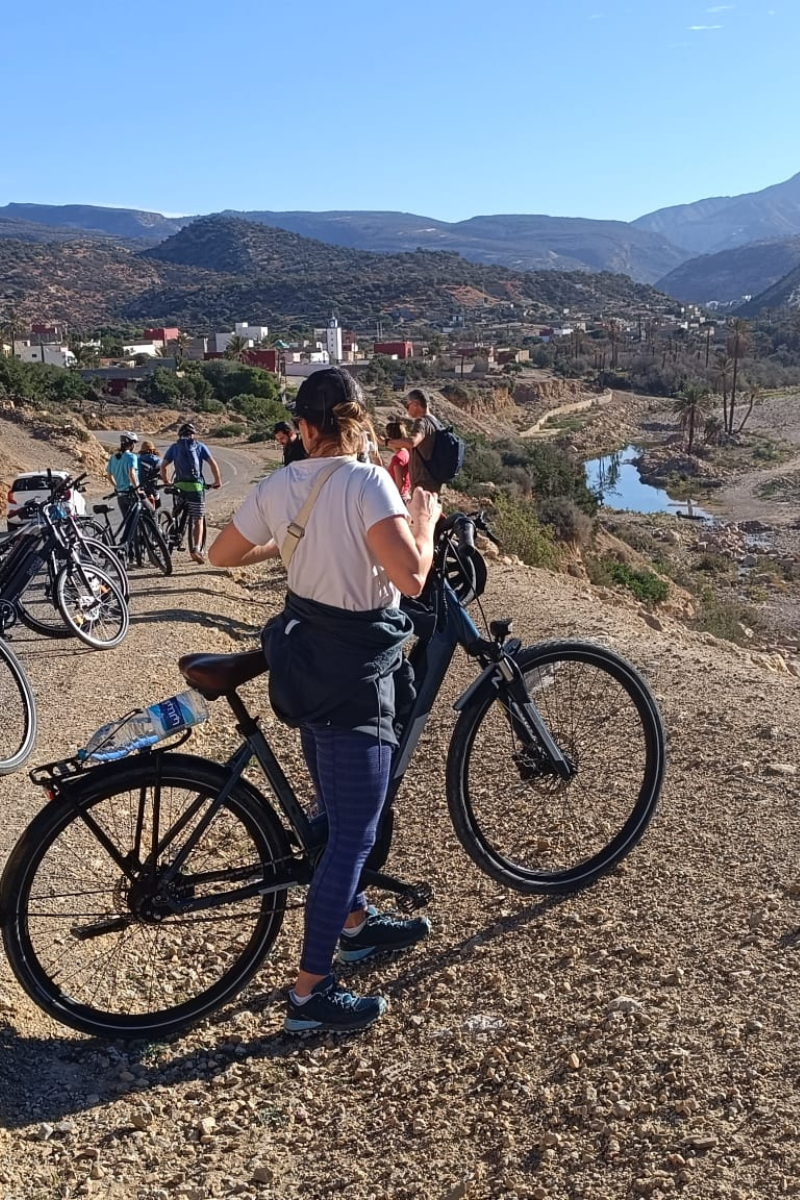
(351, 775)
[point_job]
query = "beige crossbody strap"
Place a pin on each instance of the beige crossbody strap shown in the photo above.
(297, 528)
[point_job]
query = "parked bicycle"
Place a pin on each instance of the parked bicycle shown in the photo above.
(138, 536)
(49, 583)
(149, 891)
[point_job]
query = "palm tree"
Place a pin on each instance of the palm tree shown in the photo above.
(690, 408)
(723, 368)
(737, 348)
(754, 394)
(237, 348)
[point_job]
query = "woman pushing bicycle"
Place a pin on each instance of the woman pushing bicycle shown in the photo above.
(351, 548)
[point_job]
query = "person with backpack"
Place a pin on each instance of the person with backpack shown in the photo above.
(123, 469)
(149, 472)
(437, 453)
(187, 457)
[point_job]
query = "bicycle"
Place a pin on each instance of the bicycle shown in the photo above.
(138, 534)
(148, 892)
(173, 524)
(18, 705)
(37, 603)
(87, 601)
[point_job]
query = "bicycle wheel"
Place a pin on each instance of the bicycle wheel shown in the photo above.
(37, 605)
(169, 529)
(18, 706)
(92, 606)
(524, 826)
(107, 559)
(157, 549)
(88, 935)
(93, 529)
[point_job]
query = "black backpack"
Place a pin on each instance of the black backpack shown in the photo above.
(447, 455)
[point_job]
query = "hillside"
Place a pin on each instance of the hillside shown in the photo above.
(723, 222)
(731, 274)
(84, 283)
(301, 277)
(32, 231)
(116, 222)
(218, 268)
(523, 242)
(784, 293)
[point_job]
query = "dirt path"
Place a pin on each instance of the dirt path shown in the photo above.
(539, 430)
(638, 1039)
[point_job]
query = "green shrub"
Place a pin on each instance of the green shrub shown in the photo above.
(209, 405)
(260, 409)
(225, 431)
(645, 585)
(568, 522)
(517, 528)
(725, 618)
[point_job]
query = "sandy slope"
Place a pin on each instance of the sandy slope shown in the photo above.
(641, 1038)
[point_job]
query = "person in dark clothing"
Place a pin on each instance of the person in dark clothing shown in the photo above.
(419, 441)
(288, 437)
(149, 471)
(336, 666)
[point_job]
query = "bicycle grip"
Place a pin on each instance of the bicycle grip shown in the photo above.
(464, 530)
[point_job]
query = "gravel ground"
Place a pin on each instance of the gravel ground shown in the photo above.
(638, 1039)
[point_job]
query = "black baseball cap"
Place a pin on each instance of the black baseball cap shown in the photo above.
(322, 392)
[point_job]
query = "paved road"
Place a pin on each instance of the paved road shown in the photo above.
(240, 468)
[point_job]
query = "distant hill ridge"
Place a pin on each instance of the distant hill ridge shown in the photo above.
(219, 269)
(730, 275)
(653, 248)
(522, 242)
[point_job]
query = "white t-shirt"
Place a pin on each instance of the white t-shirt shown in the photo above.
(333, 562)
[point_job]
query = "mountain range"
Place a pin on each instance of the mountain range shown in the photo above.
(220, 269)
(722, 248)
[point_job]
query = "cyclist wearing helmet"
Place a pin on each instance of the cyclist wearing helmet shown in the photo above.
(186, 457)
(123, 469)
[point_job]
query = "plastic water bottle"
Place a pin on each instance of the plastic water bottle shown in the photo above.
(145, 728)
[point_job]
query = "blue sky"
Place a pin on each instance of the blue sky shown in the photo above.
(593, 108)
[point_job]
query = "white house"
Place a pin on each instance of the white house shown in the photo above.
(52, 355)
(251, 333)
(149, 348)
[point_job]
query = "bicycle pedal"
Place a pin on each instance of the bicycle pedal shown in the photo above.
(415, 895)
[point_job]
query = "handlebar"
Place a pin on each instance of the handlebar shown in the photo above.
(463, 526)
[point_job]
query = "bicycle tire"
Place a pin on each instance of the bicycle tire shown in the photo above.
(169, 529)
(523, 826)
(18, 706)
(91, 603)
(105, 984)
(92, 529)
(108, 559)
(155, 545)
(37, 605)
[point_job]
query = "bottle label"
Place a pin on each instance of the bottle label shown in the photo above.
(172, 715)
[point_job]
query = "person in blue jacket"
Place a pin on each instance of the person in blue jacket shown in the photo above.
(336, 653)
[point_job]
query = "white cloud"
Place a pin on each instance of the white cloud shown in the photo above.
(720, 8)
(698, 28)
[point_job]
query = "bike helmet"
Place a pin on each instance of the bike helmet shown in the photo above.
(126, 437)
(187, 430)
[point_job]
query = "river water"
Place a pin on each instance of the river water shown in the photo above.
(616, 481)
